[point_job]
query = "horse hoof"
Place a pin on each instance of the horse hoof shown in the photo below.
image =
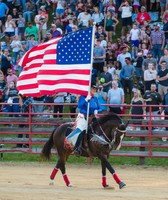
(122, 185)
(105, 186)
(69, 185)
(51, 182)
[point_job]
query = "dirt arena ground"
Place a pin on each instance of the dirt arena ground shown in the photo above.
(31, 182)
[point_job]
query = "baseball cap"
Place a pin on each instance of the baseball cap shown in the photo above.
(156, 24)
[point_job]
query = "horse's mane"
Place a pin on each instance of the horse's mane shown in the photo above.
(109, 116)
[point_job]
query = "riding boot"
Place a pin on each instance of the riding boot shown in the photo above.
(78, 145)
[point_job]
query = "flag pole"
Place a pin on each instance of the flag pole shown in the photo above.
(93, 41)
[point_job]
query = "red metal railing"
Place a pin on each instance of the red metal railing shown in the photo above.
(145, 142)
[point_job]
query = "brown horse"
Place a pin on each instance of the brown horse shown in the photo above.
(104, 135)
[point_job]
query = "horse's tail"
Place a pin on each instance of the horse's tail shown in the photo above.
(46, 151)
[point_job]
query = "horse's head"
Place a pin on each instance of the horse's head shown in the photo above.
(117, 136)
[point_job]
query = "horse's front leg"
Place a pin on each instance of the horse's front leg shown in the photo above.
(112, 171)
(104, 183)
(60, 165)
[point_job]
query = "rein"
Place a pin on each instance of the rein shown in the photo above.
(101, 130)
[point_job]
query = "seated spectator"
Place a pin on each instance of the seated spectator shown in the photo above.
(55, 33)
(80, 7)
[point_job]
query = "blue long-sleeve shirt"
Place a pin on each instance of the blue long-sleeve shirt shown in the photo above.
(82, 105)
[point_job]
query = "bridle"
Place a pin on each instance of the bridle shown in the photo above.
(115, 133)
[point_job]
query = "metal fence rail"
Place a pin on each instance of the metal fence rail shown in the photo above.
(144, 136)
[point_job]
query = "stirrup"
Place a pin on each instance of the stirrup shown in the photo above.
(77, 151)
(68, 145)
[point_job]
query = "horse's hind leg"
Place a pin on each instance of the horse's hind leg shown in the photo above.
(104, 183)
(112, 171)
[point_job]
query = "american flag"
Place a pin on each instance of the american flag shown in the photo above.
(60, 65)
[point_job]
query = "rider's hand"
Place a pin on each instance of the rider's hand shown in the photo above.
(87, 98)
(95, 112)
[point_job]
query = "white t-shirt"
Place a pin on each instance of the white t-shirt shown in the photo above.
(84, 19)
(121, 57)
(135, 34)
(126, 12)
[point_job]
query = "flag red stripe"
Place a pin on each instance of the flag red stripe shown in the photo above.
(66, 81)
(64, 72)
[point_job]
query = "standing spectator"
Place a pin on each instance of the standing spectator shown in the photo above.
(38, 107)
(99, 56)
(59, 99)
(84, 19)
(24, 108)
(138, 101)
(115, 96)
(31, 29)
(5, 61)
(11, 77)
(164, 57)
(143, 16)
(165, 102)
(97, 17)
(126, 17)
(124, 54)
(109, 24)
(2, 87)
(135, 40)
(157, 41)
(60, 8)
(30, 9)
(148, 60)
(152, 97)
(106, 76)
(163, 79)
(12, 97)
(72, 108)
(118, 46)
(16, 46)
(48, 36)
(149, 76)
(80, 7)
(21, 26)
(68, 28)
(100, 31)
(138, 67)
(31, 42)
(102, 99)
(3, 13)
(10, 26)
(127, 75)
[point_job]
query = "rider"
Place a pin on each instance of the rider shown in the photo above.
(76, 136)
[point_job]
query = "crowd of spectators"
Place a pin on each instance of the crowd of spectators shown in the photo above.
(131, 43)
